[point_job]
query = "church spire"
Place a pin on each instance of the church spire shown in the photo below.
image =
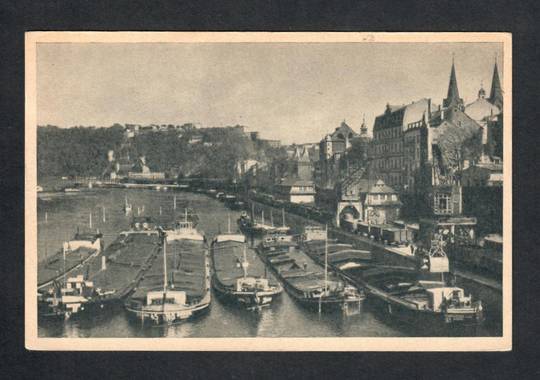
(496, 94)
(453, 99)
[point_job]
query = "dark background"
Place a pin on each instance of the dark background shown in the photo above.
(520, 18)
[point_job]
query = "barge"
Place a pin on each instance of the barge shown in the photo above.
(304, 280)
(409, 294)
(230, 279)
(177, 286)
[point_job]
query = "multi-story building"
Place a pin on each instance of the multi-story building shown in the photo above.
(397, 138)
(421, 148)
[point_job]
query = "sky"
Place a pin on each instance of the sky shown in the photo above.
(295, 92)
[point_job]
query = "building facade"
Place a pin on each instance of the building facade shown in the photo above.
(296, 191)
(332, 149)
(399, 142)
(421, 148)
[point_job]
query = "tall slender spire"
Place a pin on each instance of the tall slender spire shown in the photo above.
(496, 94)
(453, 99)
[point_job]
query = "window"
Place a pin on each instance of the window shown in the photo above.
(442, 203)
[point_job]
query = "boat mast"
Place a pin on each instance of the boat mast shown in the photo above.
(326, 260)
(244, 263)
(164, 264)
(64, 257)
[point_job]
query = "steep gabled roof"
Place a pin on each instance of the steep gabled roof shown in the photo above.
(402, 115)
(452, 97)
(344, 130)
(496, 94)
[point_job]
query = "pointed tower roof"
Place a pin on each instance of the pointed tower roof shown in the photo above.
(452, 98)
(363, 127)
(496, 94)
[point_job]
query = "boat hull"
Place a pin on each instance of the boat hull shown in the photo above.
(169, 315)
(247, 299)
(429, 322)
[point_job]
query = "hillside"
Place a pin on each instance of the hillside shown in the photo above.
(204, 152)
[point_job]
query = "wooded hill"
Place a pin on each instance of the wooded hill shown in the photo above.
(82, 151)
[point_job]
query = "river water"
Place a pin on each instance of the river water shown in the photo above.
(59, 215)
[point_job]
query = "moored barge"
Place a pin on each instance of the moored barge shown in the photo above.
(177, 286)
(230, 262)
(304, 280)
(410, 294)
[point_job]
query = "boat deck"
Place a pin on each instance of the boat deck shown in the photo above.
(227, 257)
(126, 260)
(337, 253)
(52, 267)
(186, 270)
(302, 272)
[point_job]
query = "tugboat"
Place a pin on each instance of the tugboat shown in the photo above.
(230, 273)
(178, 286)
(304, 280)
